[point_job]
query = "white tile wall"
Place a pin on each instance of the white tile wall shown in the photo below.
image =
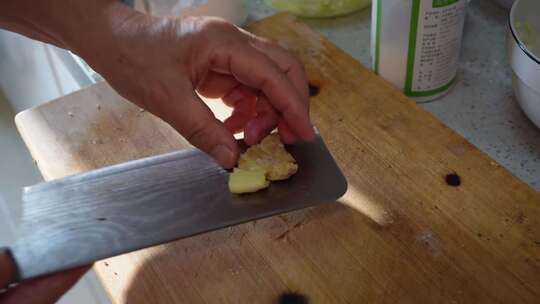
(17, 170)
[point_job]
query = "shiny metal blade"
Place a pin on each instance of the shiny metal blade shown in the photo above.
(84, 218)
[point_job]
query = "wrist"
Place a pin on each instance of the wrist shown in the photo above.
(108, 35)
(93, 24)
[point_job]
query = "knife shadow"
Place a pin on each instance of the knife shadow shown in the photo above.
(255, 262)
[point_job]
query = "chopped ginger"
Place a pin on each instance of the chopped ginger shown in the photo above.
(269, 159)
(271, 156)
(244, 181)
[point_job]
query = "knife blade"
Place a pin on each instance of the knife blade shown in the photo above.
(87, 217)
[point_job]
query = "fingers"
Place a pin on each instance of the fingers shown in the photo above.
(216, 85)
(256, 70)
(237, 122)
(199, 126)
(242, 99)
(295, 72)
(266, 120)
(245, 109)
(227, 87)
(285, 134)
(44, 290)
(7, 268)
(257, 119)
(287, 63)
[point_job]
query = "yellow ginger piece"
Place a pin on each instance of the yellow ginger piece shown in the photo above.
(271, 156)
(244, 181)
(268, 159)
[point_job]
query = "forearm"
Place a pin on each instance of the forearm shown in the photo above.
(70, 24)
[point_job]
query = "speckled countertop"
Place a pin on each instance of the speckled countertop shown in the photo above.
(481, 107)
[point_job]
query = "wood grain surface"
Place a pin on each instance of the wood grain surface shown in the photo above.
(428, 218)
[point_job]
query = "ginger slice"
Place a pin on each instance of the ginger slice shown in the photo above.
(271, 156)
(268, 158)
(245, 181)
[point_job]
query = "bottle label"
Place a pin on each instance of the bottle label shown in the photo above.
(434, 44)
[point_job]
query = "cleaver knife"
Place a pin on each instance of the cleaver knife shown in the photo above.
(80, 219)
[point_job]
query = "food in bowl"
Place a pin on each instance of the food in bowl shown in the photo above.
(529, 36)
(319, 8)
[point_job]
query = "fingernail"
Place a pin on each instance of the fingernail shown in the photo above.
(223, 155)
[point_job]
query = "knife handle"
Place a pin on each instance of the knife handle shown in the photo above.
(8, 269)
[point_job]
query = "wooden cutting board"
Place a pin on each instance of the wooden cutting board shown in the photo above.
(428, 218)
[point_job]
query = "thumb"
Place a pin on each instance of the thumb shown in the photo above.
(198, 125)
(48, 289)
(7, 268)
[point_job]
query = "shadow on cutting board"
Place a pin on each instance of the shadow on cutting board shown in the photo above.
(359, 250)
(273, 260)
(395, 237)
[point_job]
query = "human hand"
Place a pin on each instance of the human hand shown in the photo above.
(42, 290)
(161, 63)
(7, 268)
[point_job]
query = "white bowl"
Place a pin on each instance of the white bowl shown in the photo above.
(528, 98)
(523, 44)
